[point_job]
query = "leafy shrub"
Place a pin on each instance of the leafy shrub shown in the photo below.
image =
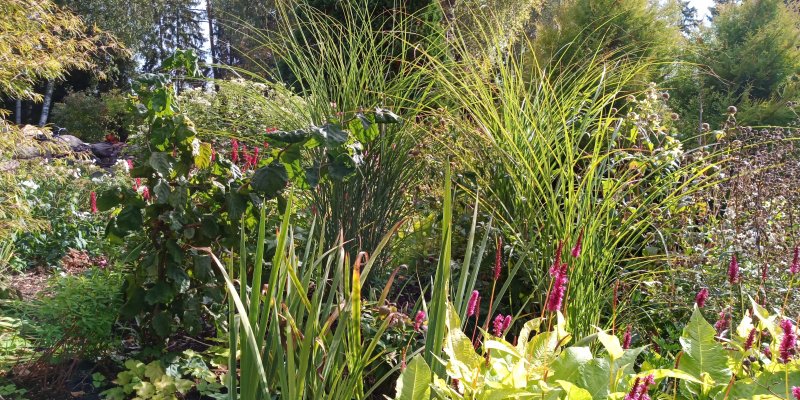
(190, 196)
(91, 117)
(60, 193)
(76, 314)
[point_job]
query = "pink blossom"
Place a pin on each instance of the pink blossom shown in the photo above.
(235, 151)
(733, 271)
(626, 339)
(559, 289)
(93, 202)
(506, 323)
(498, 259)
(796, 392)
(497, 325)
(473, 303)
(722, 323)
(130, 164)
(789, 340)
(419, 319)
(751, 337)
(576, 251)
(146, 193)
(640, 388)
(701, 298)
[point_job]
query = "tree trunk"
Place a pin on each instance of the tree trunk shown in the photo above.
(18, 112)
(48, 98)
(212, 47)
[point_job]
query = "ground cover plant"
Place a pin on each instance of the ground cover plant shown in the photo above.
(364, 200)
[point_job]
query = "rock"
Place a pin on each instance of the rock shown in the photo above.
(70, 140)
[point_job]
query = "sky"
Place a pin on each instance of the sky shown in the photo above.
(702, 7)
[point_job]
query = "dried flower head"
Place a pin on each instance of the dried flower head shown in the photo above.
(498, 259)
(795, 267)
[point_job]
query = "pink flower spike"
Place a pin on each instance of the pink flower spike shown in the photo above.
(788, 341)
(473, 303)
(93, 202)
(498, 259)
(130, 164)
(146, 193)
(419, 319)
(701, 298)
(559, 289)
(235, 151)
(576, 251)
(497, 325)
(733, 271)
(796, 392)
(506, 323)
(795, 267)
(626, 339)
(751, 337)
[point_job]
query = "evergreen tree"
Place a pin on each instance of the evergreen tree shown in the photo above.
(633, 29)
(177, 25)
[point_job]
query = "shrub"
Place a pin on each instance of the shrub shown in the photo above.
(59, 192)
(92, 117)
(76, 314)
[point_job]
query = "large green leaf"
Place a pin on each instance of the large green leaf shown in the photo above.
(567, 366)
(270, 180)
(415, 381)
(702, 355)
(331, 135)
(161, 163)
(295, 136)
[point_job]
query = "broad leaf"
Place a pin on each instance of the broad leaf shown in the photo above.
(701, 353)
(415, 381)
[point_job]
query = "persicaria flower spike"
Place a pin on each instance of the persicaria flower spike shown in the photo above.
(795, 267)
(722, 323)
(796, 392)
(751, 337)
(506, 323)
(130, 164)
(93, 202)
(498, 259)
(576, 251)
(640, 388)
(733, 270)
(626, 339)
(235, 151)
(559, 289)
(473, 303)
(789, 340)
(701, 298)
(419, 319)
(497, 325)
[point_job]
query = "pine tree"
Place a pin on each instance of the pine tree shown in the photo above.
(177, 25)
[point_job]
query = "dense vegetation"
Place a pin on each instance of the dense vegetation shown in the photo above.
(226, 199)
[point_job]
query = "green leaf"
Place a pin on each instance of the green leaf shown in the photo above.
(160, 293)
(611, 344)
(203, 157)
(331, 135)
(295, 136)
(573, 392)
(269, 180)
(385, 116)
(161, 191)
(363, 129)
(109, 199)
(162, 324)
(129, 219)
(161, 163)
(702, 355)
(415, 382)
(569, 363)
